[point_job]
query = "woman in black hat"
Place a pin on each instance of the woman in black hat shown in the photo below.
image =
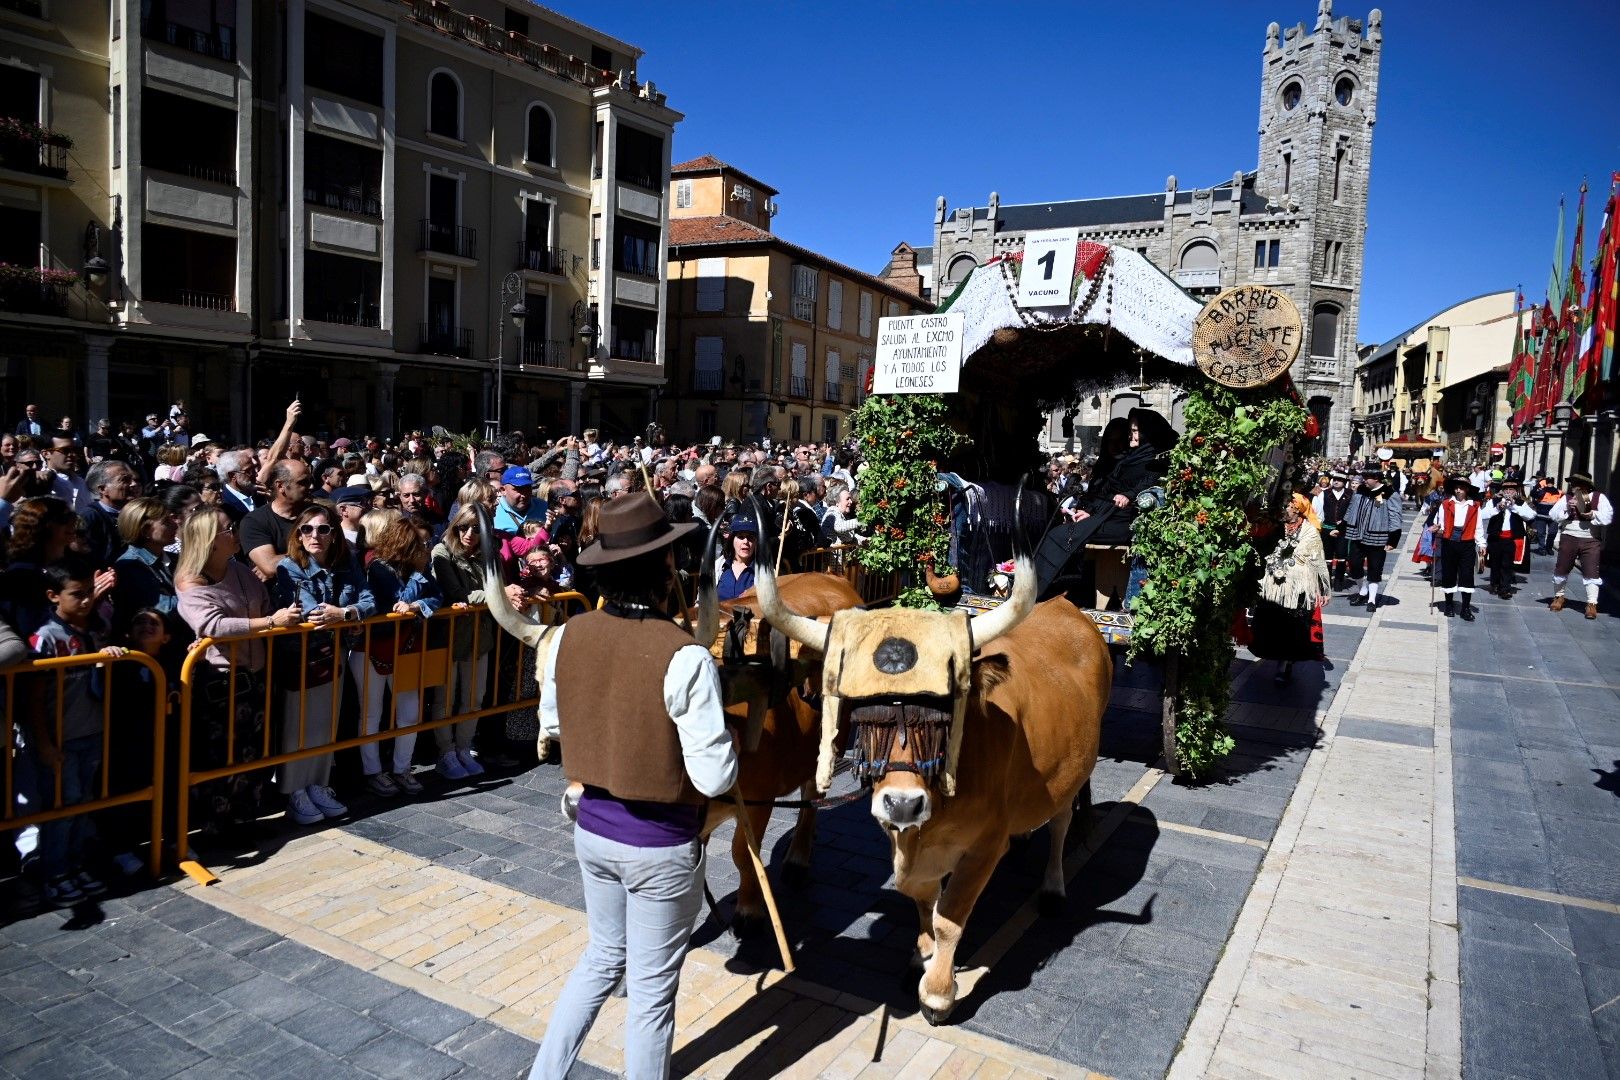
(638, 707)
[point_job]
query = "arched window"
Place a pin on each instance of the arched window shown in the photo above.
(1200, 255)
(541, 145)
(1325, 330)
(444, 105)
(960, 268)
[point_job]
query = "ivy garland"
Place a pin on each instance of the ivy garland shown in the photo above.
(903, 437)
(1200, 552)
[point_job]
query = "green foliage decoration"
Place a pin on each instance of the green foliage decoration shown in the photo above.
(1199, 551)
(902, 438)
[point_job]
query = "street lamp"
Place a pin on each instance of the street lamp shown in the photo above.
(583, 319)
(511, 286)
(1563, 413)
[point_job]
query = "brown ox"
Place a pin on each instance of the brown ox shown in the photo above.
(1022, 720)
(784, 760)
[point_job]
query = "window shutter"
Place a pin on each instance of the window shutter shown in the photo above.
(866, 314)
(835, 367)
(801, 359)
(683, 194)
(711, 285)
(835, 305)
(710, 353)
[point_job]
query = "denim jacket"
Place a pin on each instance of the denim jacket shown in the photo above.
(308, 586)
(388, 588)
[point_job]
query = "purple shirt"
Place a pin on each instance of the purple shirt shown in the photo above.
(636, 823)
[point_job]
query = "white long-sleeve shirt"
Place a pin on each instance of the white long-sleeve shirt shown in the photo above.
(1489, 511)
(693, 697)
(1602, 514)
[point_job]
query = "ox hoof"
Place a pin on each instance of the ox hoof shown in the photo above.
(935, 1017)
(795, 874)
(1052, 905)
(745, 926)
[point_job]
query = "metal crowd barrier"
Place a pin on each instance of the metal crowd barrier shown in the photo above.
(36, 675)
(433, 666)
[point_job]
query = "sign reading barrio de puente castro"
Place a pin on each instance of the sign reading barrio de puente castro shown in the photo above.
(1247, 336)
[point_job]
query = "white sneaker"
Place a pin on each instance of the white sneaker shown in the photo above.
(450, 766)
(382, 784)
(301, 810)
(469, 763)
(325, 801)
(407, 783)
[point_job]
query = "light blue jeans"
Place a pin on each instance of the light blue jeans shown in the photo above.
(640, 904)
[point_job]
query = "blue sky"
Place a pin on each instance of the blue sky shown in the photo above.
(863, 113)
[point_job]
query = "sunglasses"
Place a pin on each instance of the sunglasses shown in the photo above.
(314, 530)
(468, 529)
(32, 463)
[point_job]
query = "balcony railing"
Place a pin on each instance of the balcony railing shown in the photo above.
(626, 349)
(43, 153)
(25, 7)
(709, 381)
(345, 197)
(636, 266)
(1323, 367)
(447, 340)
(640, 178)
(804, 307)
(219, 44)
(27, 291)
(833, 392)
(210, 173)
(193, 298)
(541, 260)
(540, 353)
(449, 239)
(344, 314)
(485, 35)
(799, 385)
(1199, 279)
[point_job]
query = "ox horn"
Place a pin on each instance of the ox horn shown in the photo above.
(993, 624)
(530, 633)
(708, 597)
(806, 631)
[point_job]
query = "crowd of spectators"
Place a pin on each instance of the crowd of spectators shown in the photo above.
(150, 538)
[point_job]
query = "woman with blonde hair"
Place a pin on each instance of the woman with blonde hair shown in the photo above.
(145, 569)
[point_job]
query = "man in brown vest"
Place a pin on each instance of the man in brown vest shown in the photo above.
(637, 705)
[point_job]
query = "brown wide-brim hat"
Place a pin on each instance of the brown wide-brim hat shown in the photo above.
(1581, 479)
(631, 526)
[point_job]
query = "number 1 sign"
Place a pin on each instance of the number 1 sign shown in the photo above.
(1048, 274)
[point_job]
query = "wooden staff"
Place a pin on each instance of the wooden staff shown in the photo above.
(752, 841)
(781, 540)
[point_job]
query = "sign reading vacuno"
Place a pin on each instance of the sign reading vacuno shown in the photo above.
(918, 354)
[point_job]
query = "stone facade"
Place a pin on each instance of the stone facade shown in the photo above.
(1296, 221)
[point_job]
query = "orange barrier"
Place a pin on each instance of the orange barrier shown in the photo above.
(426, 666)
(37, 676)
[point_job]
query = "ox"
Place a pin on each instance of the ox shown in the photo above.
(782, 759)
(1023, 719)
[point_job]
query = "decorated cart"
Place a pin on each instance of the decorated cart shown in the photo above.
(950, 434)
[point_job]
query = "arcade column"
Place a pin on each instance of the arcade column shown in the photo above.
(96, 350)
(385, 399)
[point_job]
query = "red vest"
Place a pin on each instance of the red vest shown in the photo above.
(1449, 527)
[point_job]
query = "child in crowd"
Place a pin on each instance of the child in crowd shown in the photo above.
(71, 748)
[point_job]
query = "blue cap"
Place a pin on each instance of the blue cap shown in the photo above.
(744, 524)
(517, 476)
(359, 493)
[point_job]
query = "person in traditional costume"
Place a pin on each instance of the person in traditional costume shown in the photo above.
(1581, 516)
(1374, 521)
(1294, 585)
(1459, 538)
(1506, 520)
(640, 712)
(1329, 507)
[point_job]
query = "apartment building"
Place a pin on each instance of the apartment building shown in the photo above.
(768, 338)
(397, 208)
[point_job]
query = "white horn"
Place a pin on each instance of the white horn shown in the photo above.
(527, 631)
(708, 597)
(992, 624)
(806, 631)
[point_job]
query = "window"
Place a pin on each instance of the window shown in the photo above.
(796, 427)
(708, 364)
(1344, 91)
(601, 58)
(683, 194)
(1288, 172)
(894, 308)
(1267, 253)
(711, 285)
(866, 314)
(708, 422)
(1332, 255)
(117, 127)
(1200, 255)
(19, 236)
(1338, 172)
(829, 429)
(444, 105)
(959, 269)
(804, 292)
(799, 380)
(835, 368)
(1325, 331)
(516, 22)
(1291, 94)
(20, 91)
(541, 146)
(343, 59)
(835, 305)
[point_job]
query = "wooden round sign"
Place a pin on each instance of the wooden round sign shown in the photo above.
(1247, 336)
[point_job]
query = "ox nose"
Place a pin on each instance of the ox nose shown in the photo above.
(903, 808)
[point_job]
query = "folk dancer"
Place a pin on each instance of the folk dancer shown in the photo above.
(1506, 525)
(1581, 516)
(1461, 539)
(1330, 506)
(649, 743)
(1374, 530)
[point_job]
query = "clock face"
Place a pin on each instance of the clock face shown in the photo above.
(1290, 95)
(1344, 91)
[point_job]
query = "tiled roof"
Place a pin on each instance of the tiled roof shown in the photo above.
(706, 163)
(721, 231)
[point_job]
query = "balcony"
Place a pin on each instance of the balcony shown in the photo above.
(639, 267)
(349, 198)
(1199, 279)
(29, 148)
(804, 307)
(219, 44)
(1323, 367)
(540, 259)
(25, 290)
(447, 340)
(211, 173)
(457, 240)
(343, 313)
(799, 386)
(540, 353)
(193, 298)
(708, 381)
(485, 35)
(833, 393)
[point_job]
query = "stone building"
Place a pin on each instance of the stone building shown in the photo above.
(1296, 220)
(344, 198)
(766, 337)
